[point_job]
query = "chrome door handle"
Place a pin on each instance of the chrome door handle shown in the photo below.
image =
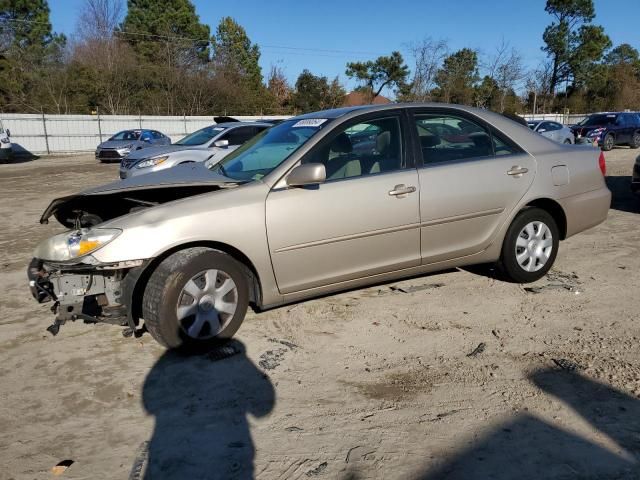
(401, 189)
(517, 171)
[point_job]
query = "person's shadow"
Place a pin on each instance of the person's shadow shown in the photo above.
(528, 447)
(200, 406)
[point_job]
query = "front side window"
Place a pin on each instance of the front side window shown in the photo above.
(239, 135)
(201, 136)
(267, 150)
(370, 147)
(126, 135)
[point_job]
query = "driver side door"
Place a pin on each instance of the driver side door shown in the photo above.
(362, 221)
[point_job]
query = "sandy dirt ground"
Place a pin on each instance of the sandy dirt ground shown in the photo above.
(372, 383)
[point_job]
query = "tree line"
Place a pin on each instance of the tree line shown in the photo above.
(157, 57)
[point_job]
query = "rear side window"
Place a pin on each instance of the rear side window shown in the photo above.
(156, 135)
(447, 138)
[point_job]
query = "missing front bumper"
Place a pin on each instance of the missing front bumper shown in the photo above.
(80, 293)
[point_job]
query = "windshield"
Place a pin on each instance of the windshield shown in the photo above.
(266, 151)
(126, 135)
(201, 136)
(598, 120)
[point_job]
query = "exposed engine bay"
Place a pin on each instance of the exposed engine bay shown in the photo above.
(80, 211)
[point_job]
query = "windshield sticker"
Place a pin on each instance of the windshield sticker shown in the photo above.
(310, 122)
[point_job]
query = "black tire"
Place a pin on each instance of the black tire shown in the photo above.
(635, 140)
(163, 291)
(608, 143)
(508, 264)
(567, 141)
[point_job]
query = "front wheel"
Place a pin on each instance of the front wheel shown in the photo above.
(530, 246)
(635, 140)
(195, 299)
(608, 143)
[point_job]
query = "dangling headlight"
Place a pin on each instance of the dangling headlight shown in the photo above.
(75, 244)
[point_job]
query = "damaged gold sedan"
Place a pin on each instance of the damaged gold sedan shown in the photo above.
(317, 204)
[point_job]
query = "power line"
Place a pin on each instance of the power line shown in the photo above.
(208, 40)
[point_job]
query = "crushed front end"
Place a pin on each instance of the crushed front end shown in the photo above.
(79, 287)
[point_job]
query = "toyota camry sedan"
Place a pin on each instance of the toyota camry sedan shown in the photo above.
(320, 203)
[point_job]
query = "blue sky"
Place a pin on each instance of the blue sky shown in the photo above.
(377, 27)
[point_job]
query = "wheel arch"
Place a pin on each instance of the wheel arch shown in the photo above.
(555, 210)
(141, 278)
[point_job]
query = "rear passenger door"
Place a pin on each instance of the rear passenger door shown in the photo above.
(471, 178)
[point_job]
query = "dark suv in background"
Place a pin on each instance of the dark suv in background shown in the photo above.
(610, 129)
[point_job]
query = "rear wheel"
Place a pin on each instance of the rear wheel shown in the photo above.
(635, 140)
(195, 299)
(530, 246)
(608, 143)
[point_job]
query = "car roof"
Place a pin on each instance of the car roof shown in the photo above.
(241, 124)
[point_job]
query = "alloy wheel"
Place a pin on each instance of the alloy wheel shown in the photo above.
(206, 304)
(534, 246)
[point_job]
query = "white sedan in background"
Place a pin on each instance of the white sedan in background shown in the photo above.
(553, 130)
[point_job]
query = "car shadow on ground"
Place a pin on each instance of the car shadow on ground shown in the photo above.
(529, 447)
(622, 197)
(200, 405)
(19, 154)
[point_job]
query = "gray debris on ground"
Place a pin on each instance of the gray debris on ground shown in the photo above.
(478, 350)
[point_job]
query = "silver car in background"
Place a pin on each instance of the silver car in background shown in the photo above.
(555, 131)
(323, 202)
(210, 143)
(127, 141)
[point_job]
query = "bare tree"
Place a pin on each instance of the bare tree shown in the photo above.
(506, 68)
(428, 55)
(538, 83)
(278, 86)
(99, 19)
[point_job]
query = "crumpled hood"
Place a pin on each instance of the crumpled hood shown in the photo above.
(159, 150)
(117, 143)
(118, 198)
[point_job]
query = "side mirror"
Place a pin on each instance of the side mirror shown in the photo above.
(307, 174)
(542, 130)
(146, 140)
(221, 143)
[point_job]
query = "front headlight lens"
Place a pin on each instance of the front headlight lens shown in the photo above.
(152, 162)
(75, 244)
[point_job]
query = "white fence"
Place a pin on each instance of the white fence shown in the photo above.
(36, 133)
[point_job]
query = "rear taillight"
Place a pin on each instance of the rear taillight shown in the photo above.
(602, 164)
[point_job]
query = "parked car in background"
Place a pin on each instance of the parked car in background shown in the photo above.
(553, 130)
(635, 178)
(610, 129)
(299, 212)
(5, 143)
(210, 143)
(127, 141)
